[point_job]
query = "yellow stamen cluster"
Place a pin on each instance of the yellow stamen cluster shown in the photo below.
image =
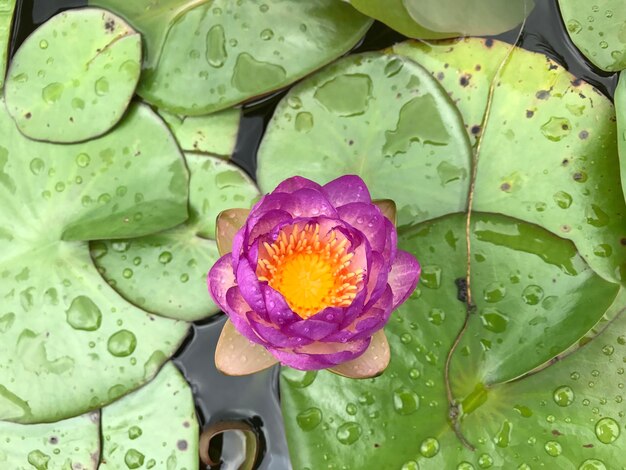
(310, 270)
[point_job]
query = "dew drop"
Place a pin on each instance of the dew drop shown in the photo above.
(563, 396)
(349, 433)
(607, 430)
(84, 314)
(122, 343)
(52, 92)
(165, 257)
(36, 166)
(309, 419)
(429, 447)
(405, 401)
(102, 86)
(304, 122)
(553, 448)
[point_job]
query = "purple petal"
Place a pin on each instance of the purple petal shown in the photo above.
(312, 329)
(369, 322)
(250, 286)
(368, 219)
(405, 273)
(291, 185)
(320, 355)
(377, 278)
(278, 311)
(237, 309)
(347, 189)
(272, 334)
(305, 202)
(264, 224)
(221, 278)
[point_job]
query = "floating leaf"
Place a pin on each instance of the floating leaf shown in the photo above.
(7, 7)
(598, 29)
(402, 417)
(69, 97)
(548, 153)
(60, 323)
(430, 19)
(165, 273)
(215, 134)
(620, 106)
(219, 54)
(154, 427)
(381, 117)
(70, 444)
(152, 19)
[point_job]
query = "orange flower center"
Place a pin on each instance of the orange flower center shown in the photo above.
(310, 270)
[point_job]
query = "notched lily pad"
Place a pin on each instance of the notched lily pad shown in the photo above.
(524, 280)
(60, 323)
(221, 53)
(153, 427)
(548, 152)
(70, 444)
(382, 117)
(6, 22)
(598, 29)
(61, 96)
(215, 134)
(437, 19)
(165, 273)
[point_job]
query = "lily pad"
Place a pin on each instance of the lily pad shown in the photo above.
(215, 134)
(221, 53)
(598, 29)
(165, 273)
(155, 426)
(58, 96)
(436, 19)
(548, 152)
(402, 418)
(69, 343)
(620, 106)
(70, 444)
(382, 117)
(7, 8)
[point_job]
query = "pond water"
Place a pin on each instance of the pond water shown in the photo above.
(255, 398)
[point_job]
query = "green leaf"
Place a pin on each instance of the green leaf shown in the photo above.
(165, 273)
(620, 106)
(7, 7)
(69, 444)
(61, 97)
(598, 29)
(381, 117)
(220, 54)
(155, 426)
(60, 323)
(215, 134)
(430, 19)
(152, 18)
(402, 417)
(548, 153)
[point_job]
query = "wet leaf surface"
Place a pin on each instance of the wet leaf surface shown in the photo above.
(381, 117)
(620, 107)
(60, 323)
(598, 29)
(69, 97)
(402, 418)
(548, 153)
(447, 18)
(219, 54)
(165, 273)
(69, 444)
(215, 134)
(7, 8)
(140, 432)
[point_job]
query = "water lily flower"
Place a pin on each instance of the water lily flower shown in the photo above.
(308, 278)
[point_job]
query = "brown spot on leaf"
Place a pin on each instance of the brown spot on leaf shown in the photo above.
(465, 79)
(543, 94)
(583, 135)
(28, 115)
(529, 113)
(182, 444)
(588, 446)
(556, 432)
(489, 42)
(109, 25)
(475, 129)
(505, 187)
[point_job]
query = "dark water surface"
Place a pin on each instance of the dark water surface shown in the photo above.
(255, 399)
